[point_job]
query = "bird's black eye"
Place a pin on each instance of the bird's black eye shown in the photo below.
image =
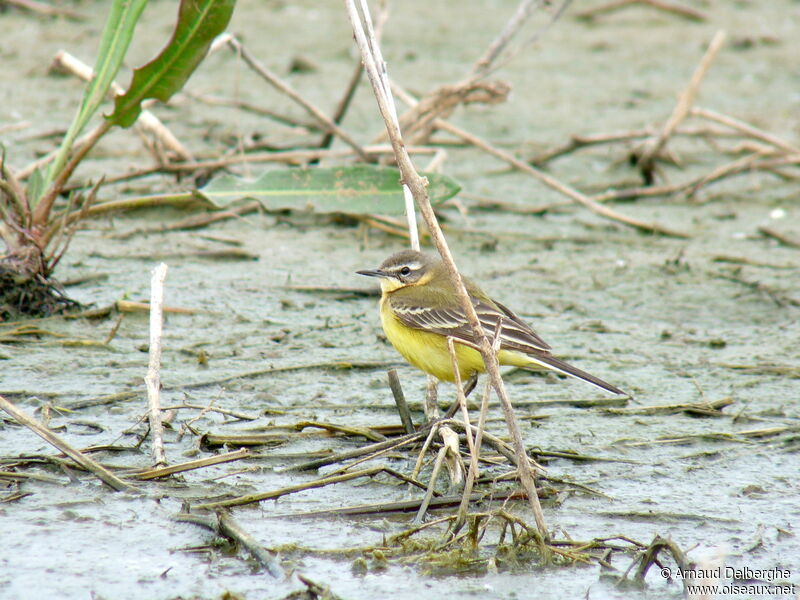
(405, 271)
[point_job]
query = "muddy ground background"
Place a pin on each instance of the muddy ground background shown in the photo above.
(660, 317)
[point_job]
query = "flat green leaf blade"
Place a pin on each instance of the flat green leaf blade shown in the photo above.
(360, 189)
(199, 22)
(116, 38)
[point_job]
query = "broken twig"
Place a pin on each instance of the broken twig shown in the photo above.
(153, 378)
(51, 438)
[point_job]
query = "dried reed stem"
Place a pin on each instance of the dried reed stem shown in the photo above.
(786, 240)
(271, 495)
(223, 524)
(671, 7)
(400, 401)
(437, 467)
(378, 74)
(153, 378)
(355, 79)
(651, 149)
(495, 49)
(195, 464)
(472, 475)
(275, 81)
(418, 187)
(54, 440)
(44, 8)
(548, 180)
(462, 404)
(744, 128)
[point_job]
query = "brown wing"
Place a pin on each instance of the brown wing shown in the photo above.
(515, 334)
(525, 330)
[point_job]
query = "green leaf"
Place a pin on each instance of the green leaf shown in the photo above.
(114, 43)
(199, 22)
(35, 187)
(356, 189)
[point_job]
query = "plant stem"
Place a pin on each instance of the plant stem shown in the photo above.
(418, 187)
(41, 213)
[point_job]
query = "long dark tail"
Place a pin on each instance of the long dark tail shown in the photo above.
(551, 362)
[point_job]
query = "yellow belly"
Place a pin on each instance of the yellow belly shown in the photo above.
(429, 351)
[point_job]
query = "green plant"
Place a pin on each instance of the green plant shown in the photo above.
(34, 232)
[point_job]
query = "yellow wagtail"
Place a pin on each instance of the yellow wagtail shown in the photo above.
(420, 310)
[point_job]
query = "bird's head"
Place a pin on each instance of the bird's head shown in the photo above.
(403, 269)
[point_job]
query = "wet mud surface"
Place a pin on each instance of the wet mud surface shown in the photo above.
(672, 321)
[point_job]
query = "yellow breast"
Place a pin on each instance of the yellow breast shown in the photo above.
(428, 351)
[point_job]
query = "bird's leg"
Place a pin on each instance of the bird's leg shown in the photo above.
(468, 387)
(432, 399)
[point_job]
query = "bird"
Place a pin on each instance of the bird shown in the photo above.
(419, 310)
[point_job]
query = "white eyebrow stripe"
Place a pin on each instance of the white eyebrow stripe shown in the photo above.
(414, 266)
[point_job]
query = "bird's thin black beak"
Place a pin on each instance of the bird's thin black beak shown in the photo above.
(372, 273)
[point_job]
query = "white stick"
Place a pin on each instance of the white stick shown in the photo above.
(153, 378)
(373, 55)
